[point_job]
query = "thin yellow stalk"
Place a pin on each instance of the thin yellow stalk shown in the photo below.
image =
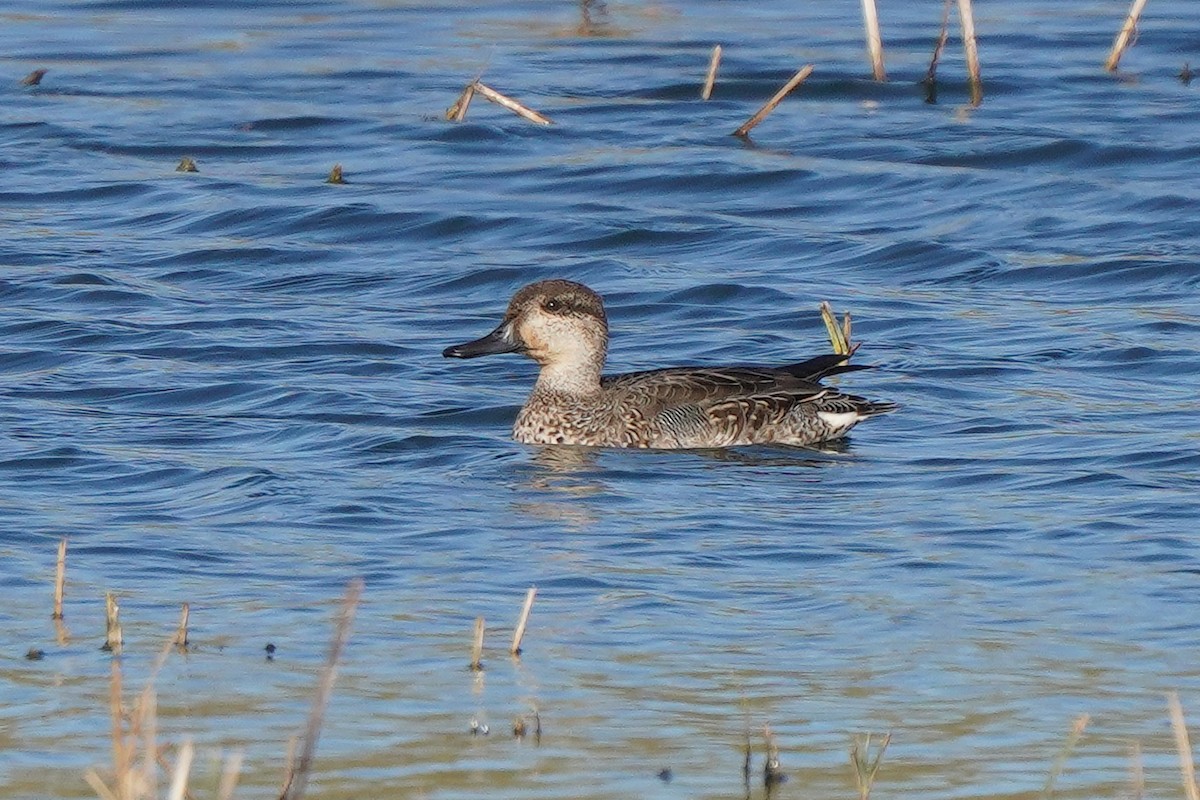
(711, 77)
(770, 105)
(1123, 36)
(519, 634)
(967, 17)
(874, 39)
(517, 108)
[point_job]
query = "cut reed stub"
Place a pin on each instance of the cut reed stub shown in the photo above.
(874, 39)
(770, 105)
(33, 78)
(60, 579)
(476, 664)
(113, 638)
(335, 175)
(523, 621)
(458, 111)
(971, 51)
(1124, 35)
(181, 633)
(1185, 74)
(930, 79)
(520, 109)
(187, 164)
(710, 78)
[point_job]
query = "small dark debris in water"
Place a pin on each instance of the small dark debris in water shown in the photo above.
(519, 727)
(479, 728)
(33, 78)
(35, 654)
(930, 85)
(335, 175)
(665, 775)
(187, 165)
(270, 648)
(1185, 76)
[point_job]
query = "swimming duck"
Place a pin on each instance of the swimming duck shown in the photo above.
(561, 325)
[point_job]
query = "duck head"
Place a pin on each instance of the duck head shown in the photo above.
(559, 324)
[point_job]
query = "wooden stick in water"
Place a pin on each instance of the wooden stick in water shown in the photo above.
(477, 646)
(874, 39)
(711, 77)
(769, 106)
(60, 580)
(1122, 40)
(971, 51)
(181, 634)
(512, 105)
(458, 111)
(519, 634)
(297, 780)
(1187, 766)
(112, 620)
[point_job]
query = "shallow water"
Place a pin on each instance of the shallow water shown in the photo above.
(225, 388)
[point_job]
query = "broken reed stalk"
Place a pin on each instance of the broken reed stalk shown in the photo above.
(967, 18)
(229, 776)
(839, 335)
(1060, 760)
(477, 646)
(1187, 764)
(1122, 40)
(183, 766)
(60, 579)
(874, 39)
(865, 767)
(522, 621)
(772, 774)
(297, 779)
(930, 79)
(112, 622)
(710, 77)
(770, 105)
(181, 633)
(458, 111)
(512, 105)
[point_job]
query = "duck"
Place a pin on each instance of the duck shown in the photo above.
(561, 325)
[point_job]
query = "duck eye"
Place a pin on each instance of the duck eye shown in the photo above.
(553, 305)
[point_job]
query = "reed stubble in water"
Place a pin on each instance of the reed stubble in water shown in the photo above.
(930, 79)
(112, 624)
(60, 580)
(967, 17)
(523, 621)
(770, 105)
(710, 78)
(1124, 35)
(476, 664)
(874, 39)
(865, 765)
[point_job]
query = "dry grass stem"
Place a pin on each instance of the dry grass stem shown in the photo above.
(1064, 753)
(297, 779)
(458, 111)
(970, 50)
(1187, 764)
(181, 633)
(519, 109)
(769, 106)
(523, 621)
(60, 580)
(710, 77)
(865, 765)
(477, 646)
(874, 39)
(1127, 31)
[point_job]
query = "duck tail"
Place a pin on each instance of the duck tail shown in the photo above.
(814, 369)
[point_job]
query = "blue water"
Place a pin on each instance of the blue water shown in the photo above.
(225, 388)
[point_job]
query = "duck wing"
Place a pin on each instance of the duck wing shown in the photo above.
(704, 385)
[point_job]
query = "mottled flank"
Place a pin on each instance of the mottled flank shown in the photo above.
(562, 326)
